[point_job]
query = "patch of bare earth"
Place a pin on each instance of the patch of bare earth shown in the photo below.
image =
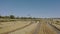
(10, 26)
(46, 29)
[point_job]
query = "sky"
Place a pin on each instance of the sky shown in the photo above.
(32, 8)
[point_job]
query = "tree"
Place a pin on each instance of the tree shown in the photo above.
(0, 16)
(12, 16)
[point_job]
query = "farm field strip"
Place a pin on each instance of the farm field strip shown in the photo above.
(12, 27)
(28, 30)
(29, 27)
(45, 29)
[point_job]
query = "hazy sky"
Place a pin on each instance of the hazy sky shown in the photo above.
(34, 8)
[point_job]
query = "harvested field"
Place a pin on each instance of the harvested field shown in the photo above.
(28, 27)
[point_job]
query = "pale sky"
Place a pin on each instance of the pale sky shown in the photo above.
(34, 8)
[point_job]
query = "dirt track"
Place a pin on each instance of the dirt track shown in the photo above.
(46, 29)
(35, 28)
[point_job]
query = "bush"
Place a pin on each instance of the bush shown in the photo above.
(0, 16)
(12, 16)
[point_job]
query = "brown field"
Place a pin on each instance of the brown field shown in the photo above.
(42, 26)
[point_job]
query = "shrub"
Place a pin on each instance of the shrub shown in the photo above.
(12, 16)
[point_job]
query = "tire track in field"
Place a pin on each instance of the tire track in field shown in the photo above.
(44, 28)
(37, 29)
(18, 28)
(55, 28)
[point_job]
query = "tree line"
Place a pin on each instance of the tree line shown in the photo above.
(11, 16)
(14, 17)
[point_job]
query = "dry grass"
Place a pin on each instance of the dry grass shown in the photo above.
(26, 27)
(9, 26)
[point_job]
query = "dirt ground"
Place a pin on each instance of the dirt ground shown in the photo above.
(27, 27)
(17, 27)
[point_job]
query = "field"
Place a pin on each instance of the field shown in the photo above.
(18, 26)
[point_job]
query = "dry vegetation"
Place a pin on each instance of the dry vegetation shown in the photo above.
(16, 26)
(27, 26)
(56, 23)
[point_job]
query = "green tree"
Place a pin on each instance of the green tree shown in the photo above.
(0, 16)
(12, 16)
